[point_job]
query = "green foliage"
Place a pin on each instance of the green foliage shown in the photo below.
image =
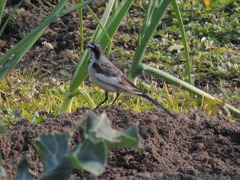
(103, 37)
(2, 6)
(214, 56)
(22, 171)
(58, 160)
(10, 116)
(21, 48)
(52, 150)
(154, 14)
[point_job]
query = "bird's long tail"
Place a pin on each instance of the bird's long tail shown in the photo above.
(156, 104)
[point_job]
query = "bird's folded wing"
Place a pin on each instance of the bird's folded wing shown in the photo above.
(110, 74)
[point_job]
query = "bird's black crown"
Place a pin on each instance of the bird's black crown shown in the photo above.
(95, 48)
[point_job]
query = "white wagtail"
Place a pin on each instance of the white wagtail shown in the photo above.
(108, 77)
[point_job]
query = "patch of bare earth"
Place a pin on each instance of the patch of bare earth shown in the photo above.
(192, 146)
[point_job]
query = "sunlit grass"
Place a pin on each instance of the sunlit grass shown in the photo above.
(29, 95)
(212, 57)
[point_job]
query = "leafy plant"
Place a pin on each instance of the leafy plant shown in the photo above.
(154, 13)
(91, 155)
(150, 23)
(9, 60)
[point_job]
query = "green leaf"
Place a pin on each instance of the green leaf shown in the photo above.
(99, 137)
(99, 127)
(22, 171)
(53, 150)
(91, 157)
(61, 171)
(128, 138)
(154, 14)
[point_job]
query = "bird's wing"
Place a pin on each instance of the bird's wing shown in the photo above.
(110, 74)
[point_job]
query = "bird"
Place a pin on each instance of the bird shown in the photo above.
(110, 78)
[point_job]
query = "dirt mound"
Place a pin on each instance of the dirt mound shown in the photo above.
(192, 146)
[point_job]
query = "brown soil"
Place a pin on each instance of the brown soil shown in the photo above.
(192, 146)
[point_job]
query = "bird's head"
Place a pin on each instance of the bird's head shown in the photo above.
(95, 50)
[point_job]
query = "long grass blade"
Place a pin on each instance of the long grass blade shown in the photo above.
(26, 43)
(80, 20)
(99, 36)
(180, 83)
(184, 40)
(2, 7)
(153, 16)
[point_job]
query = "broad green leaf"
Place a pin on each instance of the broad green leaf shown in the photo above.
(99, 127)
(128, 138)
(62, 171)
(22, 171)
(91, 157)
(53, 149)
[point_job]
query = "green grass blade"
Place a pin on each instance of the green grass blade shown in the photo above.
(112, 26)
(157, 10)
(7, 67)
(2, 7)
(180, 83)
(26, 43)
(25, 40)
(99, 22)
(82, 70)
(80, 20)
(184, 40)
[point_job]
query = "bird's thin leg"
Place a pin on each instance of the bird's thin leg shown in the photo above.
(115, 98)
(106, 98)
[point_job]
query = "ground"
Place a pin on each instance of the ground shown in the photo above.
(192, 146)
